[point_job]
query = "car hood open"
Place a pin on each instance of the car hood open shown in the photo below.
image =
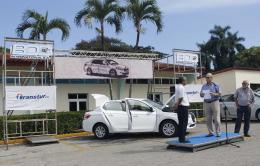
(99, 99)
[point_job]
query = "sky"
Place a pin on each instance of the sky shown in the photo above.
(186, 22)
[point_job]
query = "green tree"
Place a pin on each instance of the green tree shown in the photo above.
(222, 47)
(40, 26)
(249, 58)
(114, 45)
(102, 11)
(144, 10)
(234, 46)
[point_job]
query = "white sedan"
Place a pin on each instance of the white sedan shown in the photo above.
(229, 101)
(131, 116)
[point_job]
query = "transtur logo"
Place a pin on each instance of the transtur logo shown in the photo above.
(20, 96)
(192, 92)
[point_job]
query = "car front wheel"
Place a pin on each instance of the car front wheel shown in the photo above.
(168, 128)
(89, 71)
(100, 131)
(112, 73)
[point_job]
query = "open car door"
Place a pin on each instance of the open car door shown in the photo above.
(142, 117)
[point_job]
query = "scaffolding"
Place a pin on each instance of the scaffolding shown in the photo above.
(105, 54)
(32, 75)
(168, 64)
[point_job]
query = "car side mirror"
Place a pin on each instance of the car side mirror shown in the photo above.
(151, 109)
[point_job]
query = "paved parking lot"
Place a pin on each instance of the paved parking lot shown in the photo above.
(133, 150)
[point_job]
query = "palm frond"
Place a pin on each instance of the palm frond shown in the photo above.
(32, 14)
(35, 35)
(84, 13)
(22, 27)
(60, 24)
(116, 21)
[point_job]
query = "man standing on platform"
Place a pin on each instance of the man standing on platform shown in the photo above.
(244, 98)
(181, 107)
(211, 93)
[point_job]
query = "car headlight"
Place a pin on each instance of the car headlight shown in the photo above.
(119, 68)
(192, 116)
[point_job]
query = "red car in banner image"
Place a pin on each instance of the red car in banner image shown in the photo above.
(106, 67)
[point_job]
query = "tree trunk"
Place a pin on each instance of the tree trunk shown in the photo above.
(110, 89)
(130, 88)
(137, 39)
(138, 30)
(103, 49)
(44, 36)
(102, 36)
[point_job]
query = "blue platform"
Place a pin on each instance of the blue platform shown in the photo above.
(201, 142)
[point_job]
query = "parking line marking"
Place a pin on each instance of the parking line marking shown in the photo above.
(76, 146)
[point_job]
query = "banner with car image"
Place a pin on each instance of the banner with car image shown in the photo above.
(102, 68)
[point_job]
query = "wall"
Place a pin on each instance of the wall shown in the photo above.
(226, 81)
(252, 76)
(229, 81)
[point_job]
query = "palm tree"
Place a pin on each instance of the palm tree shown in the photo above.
(103, 11)
(219, 44)
(144, 10)
(40, 25)
(234, 45)
(222, 46)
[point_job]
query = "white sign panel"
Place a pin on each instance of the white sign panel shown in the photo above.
(186, 58)
(30, 98)
(31, 51)
(193, 92)
(102, 68)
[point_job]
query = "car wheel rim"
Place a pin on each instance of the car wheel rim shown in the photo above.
(168, 129)
(88, 71)
(113, 73)
(258, 117)
(100, 131)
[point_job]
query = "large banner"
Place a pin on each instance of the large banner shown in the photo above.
(30, 98)
(193, 92)
(186, 58)
(32, 50)
(102, 68)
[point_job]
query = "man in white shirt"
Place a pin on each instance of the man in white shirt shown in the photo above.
(181, 107)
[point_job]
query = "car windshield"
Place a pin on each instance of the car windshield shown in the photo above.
(257, 94)
(154, 104)
(111, 62)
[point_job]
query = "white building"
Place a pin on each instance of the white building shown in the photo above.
(231, 78)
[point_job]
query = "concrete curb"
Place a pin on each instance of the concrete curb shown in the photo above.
(60, 137)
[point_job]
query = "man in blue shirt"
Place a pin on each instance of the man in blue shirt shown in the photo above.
(211, 94)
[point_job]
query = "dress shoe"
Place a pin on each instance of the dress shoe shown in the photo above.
(247, 135)
(209, 135)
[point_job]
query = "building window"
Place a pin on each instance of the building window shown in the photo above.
(78, 101)
(156, 97)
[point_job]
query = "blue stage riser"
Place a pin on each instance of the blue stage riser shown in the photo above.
(201, 142)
